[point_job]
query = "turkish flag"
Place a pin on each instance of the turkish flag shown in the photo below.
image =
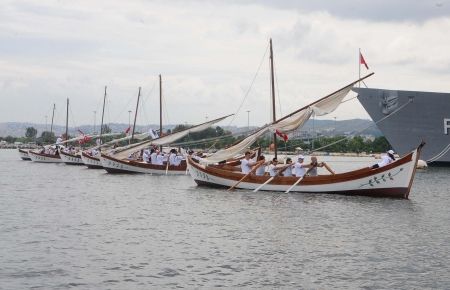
(127, 130)
(282, 135)
(362, 60)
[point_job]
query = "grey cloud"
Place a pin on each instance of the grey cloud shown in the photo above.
(373, 10)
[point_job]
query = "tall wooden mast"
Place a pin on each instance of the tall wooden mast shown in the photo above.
(272, 84)
(160, 110)
(53, 115)
(135, 114)
(103, 113)
(67, 120)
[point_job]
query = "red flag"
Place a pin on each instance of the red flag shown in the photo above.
(84, 139)
(127, 130)
(282, 135)
(362, 60)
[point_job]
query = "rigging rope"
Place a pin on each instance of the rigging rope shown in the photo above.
(278, 90)
(247, 92)
(439, 155)
(250, 87)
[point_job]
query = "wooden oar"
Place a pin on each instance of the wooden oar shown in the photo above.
(257, 165)
(270, 179)
(300, 179)
(167, 166)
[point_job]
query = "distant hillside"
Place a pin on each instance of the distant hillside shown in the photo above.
(325, 127)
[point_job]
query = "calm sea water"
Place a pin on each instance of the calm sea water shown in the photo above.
(72, 227)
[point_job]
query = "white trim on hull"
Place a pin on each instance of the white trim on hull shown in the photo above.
(70, 159)
(91, 162)
(44, 158)
(119, 166)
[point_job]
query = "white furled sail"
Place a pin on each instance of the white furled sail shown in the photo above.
(166, 139)
(141, 136)
(236, 149)
(286, 124)
(81, 137)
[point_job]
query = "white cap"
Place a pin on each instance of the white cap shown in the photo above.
(391, 152)
(301, 157)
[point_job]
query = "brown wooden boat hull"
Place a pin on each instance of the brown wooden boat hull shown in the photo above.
(393, 180)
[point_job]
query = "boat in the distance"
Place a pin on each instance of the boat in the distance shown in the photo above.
(45, 157)
(70, 158)
(407, 117)
(119, 161)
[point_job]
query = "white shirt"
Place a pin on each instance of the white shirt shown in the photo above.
(153, 158)
(159, 159)
(145, 156)
(59, 140)
(246, 165)
(261, 170)
(385, 160)
(273, 170)
(172, 159)
(288, 171)
(299, 169)
(178, 159)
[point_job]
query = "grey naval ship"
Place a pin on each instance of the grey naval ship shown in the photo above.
(408, 117)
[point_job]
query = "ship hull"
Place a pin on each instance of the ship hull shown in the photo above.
(407, 117)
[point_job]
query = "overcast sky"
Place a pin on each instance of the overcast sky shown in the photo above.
(208, 53)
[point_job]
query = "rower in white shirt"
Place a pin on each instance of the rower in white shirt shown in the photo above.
(273, 169)
(385, 160)
(146, 156)
(160, 158)
(153, 156)
(261, 170)
(299, 166)
(288, 171)
(172, 157)
(247, 163)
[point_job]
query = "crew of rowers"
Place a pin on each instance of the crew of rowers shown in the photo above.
(49, 150)
(155, 156)
(71, 150)
(298, 169)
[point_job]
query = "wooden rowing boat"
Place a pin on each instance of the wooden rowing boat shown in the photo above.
(92, 162)
(114, 165)
(70, 159)
(394, 180)
(44, 158)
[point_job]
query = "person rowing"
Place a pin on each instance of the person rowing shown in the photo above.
(385, 159)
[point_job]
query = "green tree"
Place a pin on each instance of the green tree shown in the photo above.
(380, 144)
(30, 132)
(47, 137)
(10, 139)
